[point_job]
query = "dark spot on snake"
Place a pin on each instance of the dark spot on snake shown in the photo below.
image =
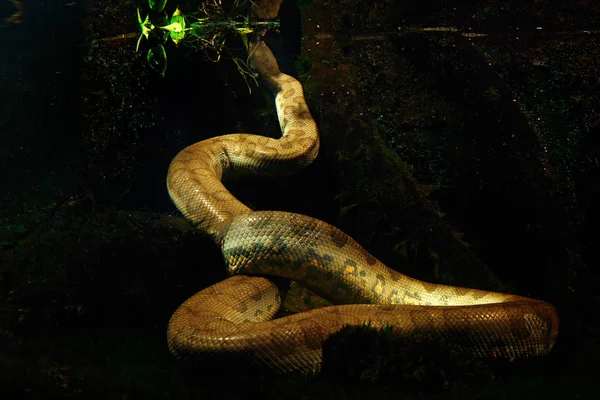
(242, 259)
(339, 238)
(263, 140)
(256, 296)
(304, 114)
(369, 258)
(429, 287)
(414, 296)
(478, 295)
(323, 260)
(288, 93)
(460, 291)
(194, 181)
(380, 281)
(297, 133)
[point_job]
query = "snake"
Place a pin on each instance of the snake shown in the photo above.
(236, 316)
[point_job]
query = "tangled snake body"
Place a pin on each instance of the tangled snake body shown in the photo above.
(234, 317)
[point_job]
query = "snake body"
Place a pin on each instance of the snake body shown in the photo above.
(234, 317)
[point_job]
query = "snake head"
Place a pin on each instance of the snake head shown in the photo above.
(262, 59)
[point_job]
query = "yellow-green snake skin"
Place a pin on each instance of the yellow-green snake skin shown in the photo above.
(233, 317)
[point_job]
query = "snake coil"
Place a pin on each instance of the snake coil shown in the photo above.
(234, 317)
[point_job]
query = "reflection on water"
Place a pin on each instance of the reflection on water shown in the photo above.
(17, 13)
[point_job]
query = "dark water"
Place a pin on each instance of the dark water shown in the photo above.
(496, 119)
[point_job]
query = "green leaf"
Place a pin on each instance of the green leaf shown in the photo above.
(157, 59)
(145, 26)
(244, 30)
(137, 46)
(177, 26)
(157, 5)
(245, 40)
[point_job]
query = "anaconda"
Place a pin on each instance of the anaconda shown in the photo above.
(235, 315)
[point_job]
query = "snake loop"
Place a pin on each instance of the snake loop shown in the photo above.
(234, 317)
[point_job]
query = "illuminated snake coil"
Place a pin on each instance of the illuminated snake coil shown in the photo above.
(234, 317)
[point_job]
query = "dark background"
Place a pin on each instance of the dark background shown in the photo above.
(457, 138)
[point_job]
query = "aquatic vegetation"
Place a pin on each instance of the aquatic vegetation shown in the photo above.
(206, 29)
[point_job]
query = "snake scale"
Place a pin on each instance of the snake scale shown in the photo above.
(234, 317)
